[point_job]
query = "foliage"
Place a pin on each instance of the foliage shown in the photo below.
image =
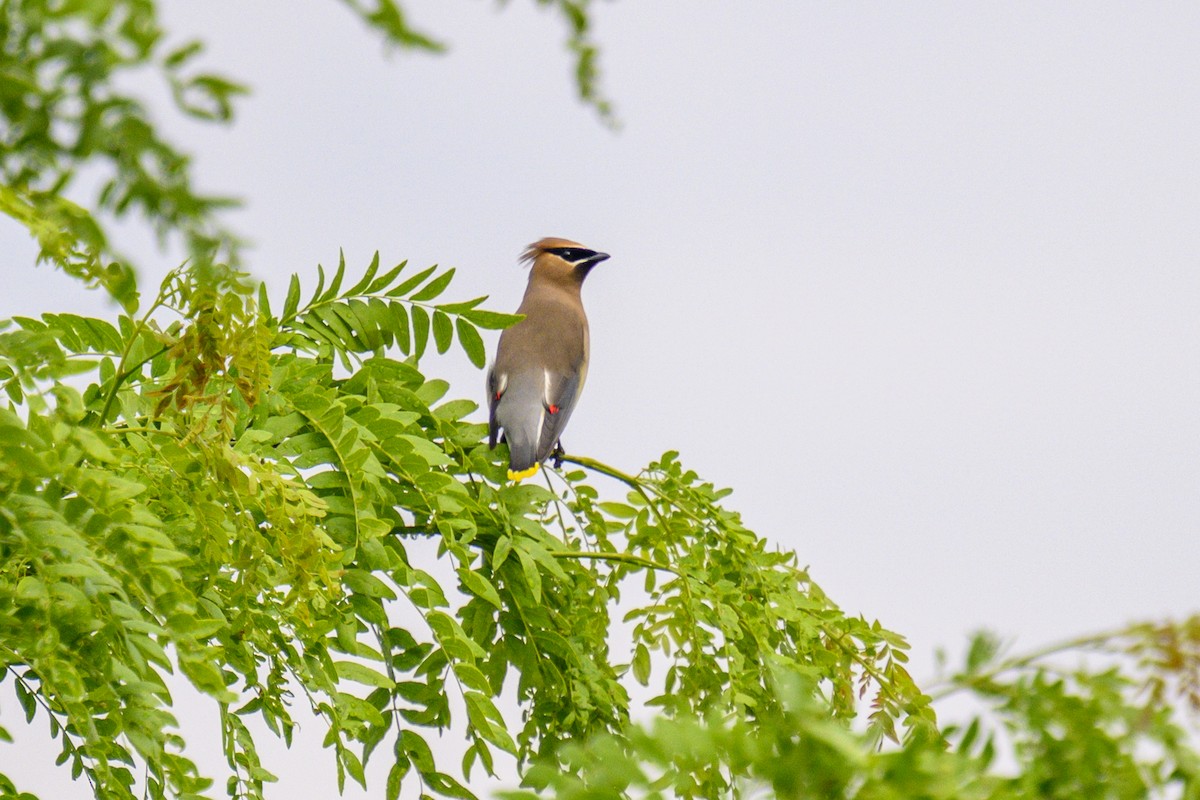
(282, 507)
(220, 501)
(223, 501)
(60, 68)
(69, 128)
(1046, 732)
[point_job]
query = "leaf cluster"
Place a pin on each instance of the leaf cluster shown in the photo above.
(1107, 715)
(61, 66)
(219, 500)
(284, 509)
(1108, 728)
(381, 311)
(64, 113)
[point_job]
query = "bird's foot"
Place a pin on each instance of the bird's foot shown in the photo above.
(557, 454)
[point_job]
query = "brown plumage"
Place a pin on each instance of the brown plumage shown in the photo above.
(541, 362)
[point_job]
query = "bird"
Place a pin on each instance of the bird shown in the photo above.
(541, 362)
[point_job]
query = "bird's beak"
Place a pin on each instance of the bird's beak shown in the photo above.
(596, 259)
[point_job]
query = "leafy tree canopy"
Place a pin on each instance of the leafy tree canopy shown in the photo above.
(243, 492)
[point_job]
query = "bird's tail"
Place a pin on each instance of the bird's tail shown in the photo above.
(523, 458)
(520, 475)
(521, 414)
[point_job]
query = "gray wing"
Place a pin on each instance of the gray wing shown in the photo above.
(532, 409)
(562, 394)
(493, 398)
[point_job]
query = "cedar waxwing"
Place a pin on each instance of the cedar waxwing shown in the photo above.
(542, 361)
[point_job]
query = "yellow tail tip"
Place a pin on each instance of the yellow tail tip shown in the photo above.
(523, 474)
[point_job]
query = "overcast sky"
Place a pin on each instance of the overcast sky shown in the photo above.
(920, 281)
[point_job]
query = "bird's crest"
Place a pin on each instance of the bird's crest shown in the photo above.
(541, 246)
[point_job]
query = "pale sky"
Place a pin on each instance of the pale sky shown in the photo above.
(920, 281)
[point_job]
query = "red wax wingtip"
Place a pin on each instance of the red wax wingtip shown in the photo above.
(497, 397)
(553, 409)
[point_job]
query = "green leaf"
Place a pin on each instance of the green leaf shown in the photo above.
(354, 324)
(264, 301)
(443, 331)
(31, 590)
(428, 594)
(446, 786)
(332, 291)
(320, 285)
(471, 342)
(385, 280)
(452, 637)
(492, 320)
(641, 664)
(365, 281)
(486, 719)
(459, 308)
(420, 324)
(417, 749)
(435, 287)
(472, 677)
(618, 510)
(403, 289)
(395, 778)
(479, 586)
(353, 671)
(365, 323)
(432, 390)
(423, 448)
(403, 341)
(455, 409)
(186, 52)
(532, 576)
(363, 582)
(500, 554)
(353, 767)
(333, 322)
(382, 320)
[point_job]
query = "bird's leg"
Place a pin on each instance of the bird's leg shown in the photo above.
(557, 454)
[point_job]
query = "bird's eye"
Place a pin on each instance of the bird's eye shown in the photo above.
(572, 255)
